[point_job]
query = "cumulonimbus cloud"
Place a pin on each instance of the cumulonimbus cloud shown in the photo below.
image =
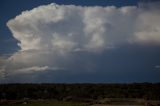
(51, 35)
(68, 27)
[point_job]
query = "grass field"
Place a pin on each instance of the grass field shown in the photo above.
(104, 102)
(47, 103)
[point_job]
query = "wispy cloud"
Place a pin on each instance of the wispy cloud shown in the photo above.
(157, 67)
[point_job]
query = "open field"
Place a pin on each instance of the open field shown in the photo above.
(137, 94)
(45, 103)
(104, 102)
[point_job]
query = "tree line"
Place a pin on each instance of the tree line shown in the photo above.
(146, 91)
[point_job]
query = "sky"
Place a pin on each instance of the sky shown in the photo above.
(79, 41)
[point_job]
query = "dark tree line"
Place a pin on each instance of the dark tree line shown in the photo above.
(71, 91)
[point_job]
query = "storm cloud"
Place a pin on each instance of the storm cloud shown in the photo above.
(56, 39)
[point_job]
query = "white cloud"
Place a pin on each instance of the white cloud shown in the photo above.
(36, 68)
(148, 27)
(50, 35)
(66, 28)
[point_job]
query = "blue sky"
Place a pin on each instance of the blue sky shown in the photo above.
(75, 49)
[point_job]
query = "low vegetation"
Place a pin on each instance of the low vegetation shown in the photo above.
(79, 94)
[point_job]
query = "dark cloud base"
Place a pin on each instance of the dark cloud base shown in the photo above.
(126, 64)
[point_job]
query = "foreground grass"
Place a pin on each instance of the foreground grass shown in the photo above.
(48, 103)
(101, 102)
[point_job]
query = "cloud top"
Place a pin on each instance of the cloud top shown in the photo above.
(68, 27)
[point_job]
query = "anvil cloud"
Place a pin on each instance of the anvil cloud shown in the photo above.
(59, 37)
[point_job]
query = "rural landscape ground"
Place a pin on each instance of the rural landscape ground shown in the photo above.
(107, 102)
(136, 94)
